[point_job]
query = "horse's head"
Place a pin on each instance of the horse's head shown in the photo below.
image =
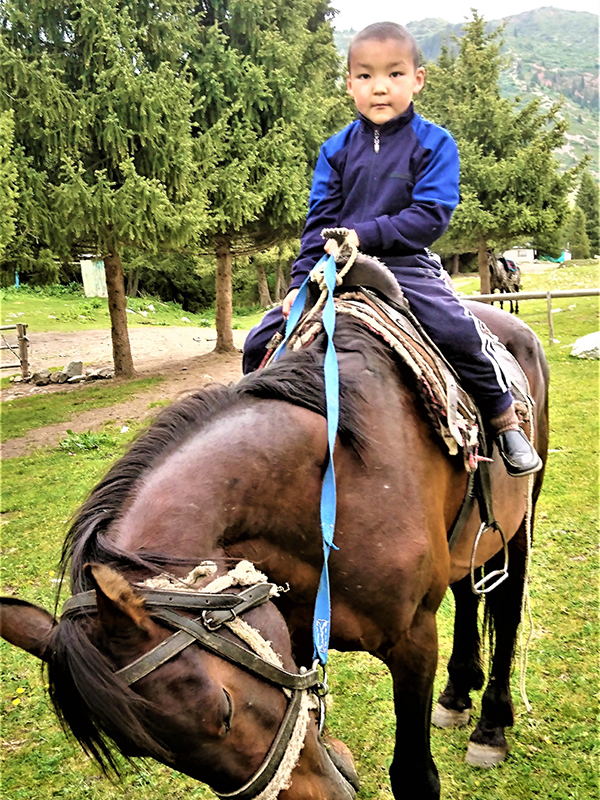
(117, 671)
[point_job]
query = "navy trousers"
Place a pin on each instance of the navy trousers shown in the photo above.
(458, 334)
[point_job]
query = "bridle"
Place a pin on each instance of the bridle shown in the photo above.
(218, 610)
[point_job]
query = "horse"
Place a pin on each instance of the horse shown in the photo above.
(233, 474)
(505, 276)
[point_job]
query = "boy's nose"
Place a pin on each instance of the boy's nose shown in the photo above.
(380, 88)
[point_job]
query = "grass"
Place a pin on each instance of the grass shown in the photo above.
(552, 750)
(53, 310)
(26, 413)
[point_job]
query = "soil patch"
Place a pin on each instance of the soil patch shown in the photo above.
(184, 356)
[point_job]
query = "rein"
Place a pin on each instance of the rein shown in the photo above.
(304, 689)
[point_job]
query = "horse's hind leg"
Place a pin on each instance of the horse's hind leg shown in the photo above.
(464, 668)
(412, 662)
(487, 745)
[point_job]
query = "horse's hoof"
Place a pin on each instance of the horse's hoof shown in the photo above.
(449, 718)
(481, 755)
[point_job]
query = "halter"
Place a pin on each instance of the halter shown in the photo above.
(218, 610)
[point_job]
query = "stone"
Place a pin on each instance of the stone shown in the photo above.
(58, 377)
(100, 374)
(73, 368)
(42, 377)
(77, 379)
(588, 346)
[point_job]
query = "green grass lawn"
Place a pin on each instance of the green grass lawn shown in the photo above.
(26, 413)
(61, 309)
(552, 749)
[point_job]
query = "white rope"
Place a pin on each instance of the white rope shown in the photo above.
(317, 275)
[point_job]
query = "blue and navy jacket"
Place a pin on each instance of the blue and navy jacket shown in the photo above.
(396, 184)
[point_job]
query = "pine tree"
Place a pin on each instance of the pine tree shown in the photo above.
(577, 238)
(511, 186)
(8, 179)
(588, 200)
(102, 103)
(267, 95)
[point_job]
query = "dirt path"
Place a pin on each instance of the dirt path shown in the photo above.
(182, 355)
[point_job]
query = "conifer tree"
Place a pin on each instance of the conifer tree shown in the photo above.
(588, 200)
(511, 185)
(267, 96)
(8, 178)
(103, 147)
(577, 238)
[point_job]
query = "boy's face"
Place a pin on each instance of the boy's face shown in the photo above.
(382, 79)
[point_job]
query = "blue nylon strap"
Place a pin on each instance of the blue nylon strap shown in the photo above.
(322, 615)
(294, 315)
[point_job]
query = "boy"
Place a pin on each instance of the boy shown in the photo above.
(391, 177)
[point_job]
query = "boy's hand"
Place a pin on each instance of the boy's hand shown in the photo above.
(287, 302)
(332, 247)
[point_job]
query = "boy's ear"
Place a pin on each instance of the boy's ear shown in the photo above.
(419, 80)
(349, 84)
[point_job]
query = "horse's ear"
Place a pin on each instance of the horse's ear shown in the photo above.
(26, 626)
(121, 611)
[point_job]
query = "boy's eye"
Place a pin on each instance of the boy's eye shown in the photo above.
(397, 74)
(363, 76)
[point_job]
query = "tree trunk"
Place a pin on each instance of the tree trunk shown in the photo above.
(115, 285)
(264, 297)
(484, 267)
(133, 280)
(455, 264)
(224, 310)
(279, 283)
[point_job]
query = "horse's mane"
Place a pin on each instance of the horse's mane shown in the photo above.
(88, 699)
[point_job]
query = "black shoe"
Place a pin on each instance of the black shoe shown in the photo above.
(517, 453)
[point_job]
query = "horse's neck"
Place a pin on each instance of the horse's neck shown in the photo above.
(234, 481)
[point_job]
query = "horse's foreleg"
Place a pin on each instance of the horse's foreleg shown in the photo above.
(412, 662)
(464, 668)
(488, 745)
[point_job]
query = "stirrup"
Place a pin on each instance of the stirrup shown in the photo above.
(481, 586)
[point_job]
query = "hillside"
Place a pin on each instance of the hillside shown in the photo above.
(553, 53)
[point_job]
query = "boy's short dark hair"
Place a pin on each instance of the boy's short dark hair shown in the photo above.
(381, 32)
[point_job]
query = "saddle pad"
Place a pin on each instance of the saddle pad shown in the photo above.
(451, 410)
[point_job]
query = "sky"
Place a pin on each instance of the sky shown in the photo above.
(359, 13)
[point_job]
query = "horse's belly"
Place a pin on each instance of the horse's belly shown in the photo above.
(510, 507)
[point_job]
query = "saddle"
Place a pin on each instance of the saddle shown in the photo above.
(370, 294)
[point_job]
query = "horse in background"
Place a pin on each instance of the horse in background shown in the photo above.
(505, 277)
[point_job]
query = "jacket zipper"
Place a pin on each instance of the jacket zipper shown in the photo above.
(376, 140)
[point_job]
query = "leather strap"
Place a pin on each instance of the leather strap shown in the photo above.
(262, 778)
(159, 598)
(254, 596)
(238, 655)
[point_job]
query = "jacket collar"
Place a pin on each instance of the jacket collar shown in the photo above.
(392, 125)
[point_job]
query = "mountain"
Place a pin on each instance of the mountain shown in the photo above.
(553, 53)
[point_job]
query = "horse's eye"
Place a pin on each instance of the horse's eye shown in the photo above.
(228, 711)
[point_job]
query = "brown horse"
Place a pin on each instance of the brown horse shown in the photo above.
(235, 473)
(505, 277)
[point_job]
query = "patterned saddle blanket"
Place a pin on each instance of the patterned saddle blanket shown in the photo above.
(371, 295)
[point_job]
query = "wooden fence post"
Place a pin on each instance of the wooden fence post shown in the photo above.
(550, 320)
(23, 349)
